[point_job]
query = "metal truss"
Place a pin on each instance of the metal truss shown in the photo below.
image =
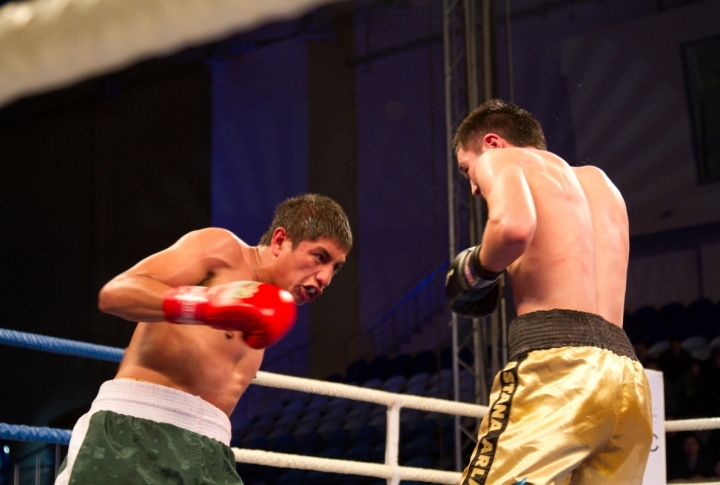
(468, 39)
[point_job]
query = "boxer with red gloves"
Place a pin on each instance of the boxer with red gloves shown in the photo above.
(262, 312)
(206, 308)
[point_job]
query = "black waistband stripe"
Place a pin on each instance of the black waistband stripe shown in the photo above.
(551, 329)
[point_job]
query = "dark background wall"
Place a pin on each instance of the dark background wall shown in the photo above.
(349, 103)
(401, 151)
(92, 179)
(607, 81)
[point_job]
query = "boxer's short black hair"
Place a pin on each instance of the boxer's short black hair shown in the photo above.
(511, 122)
(309, 217)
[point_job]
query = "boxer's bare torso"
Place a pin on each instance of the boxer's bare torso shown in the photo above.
(214, 364)
(570, 226)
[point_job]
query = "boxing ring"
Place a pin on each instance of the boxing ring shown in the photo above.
(48, 44)
(395, 402)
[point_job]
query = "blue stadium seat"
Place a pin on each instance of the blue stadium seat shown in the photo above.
(421, 461)
(339, 403)
(282, 443)
(419, 378)
(378, 452)
(352, 480)
(267, 476)
(255, 433)
(359, 408)
(334, 414)
(408, 415)
(310, 440)
(446, 358)
(377, 415)
(422, 427)
(447, 434)
(338, 438)
(357, 371)
(443, 376)
(355, 422)
(331, 452)
(263, 423)
(379, 368)
(291, 477)
(247, 471)
(359, 452)
(256, 443)
(437, 417)
(401, 365)
(423, 445)
(297, 404)
(318, 403)
(328, 426)
(322, 478)
(305, 450)
(281, 430)
(312, 417)
(394, 384)
(366, 434)
(304, 429)
(290, 417)
(425, 362)
(378, 420)
(373, 383)
(417, 389)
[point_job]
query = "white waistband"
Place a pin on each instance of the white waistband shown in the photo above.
(163, 404)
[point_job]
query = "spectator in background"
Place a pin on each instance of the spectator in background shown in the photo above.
(675, 362)
(641, 351)
(716, 469)
(691, 391)
(712, 374)
(692, 461)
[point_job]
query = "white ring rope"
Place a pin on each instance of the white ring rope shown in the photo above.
(692, 424)
(390, 470)
(389, 399)
(46, 44)
(344, 466)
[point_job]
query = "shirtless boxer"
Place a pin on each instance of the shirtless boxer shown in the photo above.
(164, 418)
(573, 403)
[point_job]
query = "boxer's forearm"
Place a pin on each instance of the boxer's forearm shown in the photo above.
(134, 298)
(502, 244)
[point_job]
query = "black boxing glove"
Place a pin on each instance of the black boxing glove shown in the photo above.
(470, 289)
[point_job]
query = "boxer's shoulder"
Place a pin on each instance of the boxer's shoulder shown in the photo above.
(214, 241)
(213, 234)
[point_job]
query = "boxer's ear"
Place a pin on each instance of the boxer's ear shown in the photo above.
(278, 239)
(492, 140)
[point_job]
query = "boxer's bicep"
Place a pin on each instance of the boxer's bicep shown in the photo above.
(137, 293)
(190, 261)
(511, 207)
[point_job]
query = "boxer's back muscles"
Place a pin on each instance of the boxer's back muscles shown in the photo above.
(578, 255)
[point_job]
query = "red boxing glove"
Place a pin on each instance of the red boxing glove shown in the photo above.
(263, 312)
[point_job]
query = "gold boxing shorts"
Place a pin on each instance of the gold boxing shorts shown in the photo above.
(571, 407)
